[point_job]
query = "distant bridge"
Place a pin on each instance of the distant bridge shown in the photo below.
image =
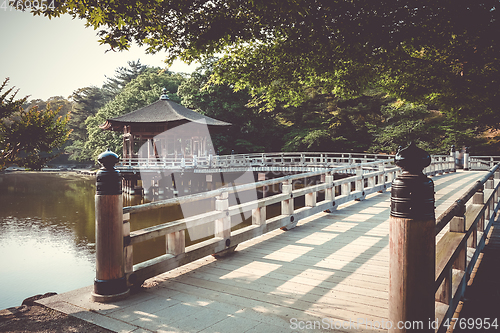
(282, 161)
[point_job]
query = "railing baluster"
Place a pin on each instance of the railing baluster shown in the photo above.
(259, 213)
(444, 293)
(176, 242)
(310, 199)
(287, 206)
(330, 191)
(223, 225)
(128, 250)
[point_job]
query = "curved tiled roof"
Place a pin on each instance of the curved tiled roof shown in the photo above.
(162, 111)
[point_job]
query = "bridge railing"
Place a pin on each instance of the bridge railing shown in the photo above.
(483, 162)
(460, 234)
(365, 178)
(254, 159)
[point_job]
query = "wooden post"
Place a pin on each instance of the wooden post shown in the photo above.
(329, 192)
(223, 225)
(360, 183)
(110, 283)
(128, 250)
(412, 242)
(453, 157)
(287, 206)
(259, 213)
(466, 159)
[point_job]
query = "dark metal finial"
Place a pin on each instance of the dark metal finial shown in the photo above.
(412, 159)
(108, 159)
(412, 193)
(108, 180)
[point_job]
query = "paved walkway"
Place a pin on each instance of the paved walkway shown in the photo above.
(330, 271)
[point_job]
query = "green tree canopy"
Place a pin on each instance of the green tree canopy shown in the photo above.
(251, 130)
(141, 91)
(28, 136)
(440, 51)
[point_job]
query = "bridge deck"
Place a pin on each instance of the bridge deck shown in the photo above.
(332, 265)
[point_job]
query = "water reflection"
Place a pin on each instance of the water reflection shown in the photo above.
(46, 234)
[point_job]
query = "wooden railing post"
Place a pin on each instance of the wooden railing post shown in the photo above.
(496, 176)
(466, 159)
(453, 157)
(259, 213)
(412, 242)
(128, 249)
(287, 206)
(176, 242)
(223, 225)
(360, 183)
(330, 192)
(110, 283)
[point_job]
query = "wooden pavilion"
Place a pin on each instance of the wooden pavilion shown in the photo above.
(156, 125)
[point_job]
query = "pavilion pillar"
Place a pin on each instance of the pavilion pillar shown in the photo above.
(124, 154)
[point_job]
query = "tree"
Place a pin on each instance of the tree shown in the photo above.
(328, 123)
(86, 102)
(90, 99)
(251, 130)
(141, 91)
(123, 75)
(440, 51)
(28, 136)
(402, 123)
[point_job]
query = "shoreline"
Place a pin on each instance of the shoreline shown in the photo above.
(77, 171)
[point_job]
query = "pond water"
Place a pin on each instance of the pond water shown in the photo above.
(46, 234)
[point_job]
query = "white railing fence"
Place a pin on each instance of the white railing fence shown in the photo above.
(363, 179)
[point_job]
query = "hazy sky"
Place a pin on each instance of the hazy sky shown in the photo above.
(45, 58)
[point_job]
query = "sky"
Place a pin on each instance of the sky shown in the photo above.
(45, 58)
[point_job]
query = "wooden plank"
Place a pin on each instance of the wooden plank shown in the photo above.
(284, 299)
(294, 288)
(447, 249)
(309, 276)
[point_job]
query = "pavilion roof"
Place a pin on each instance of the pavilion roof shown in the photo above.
(161, 111)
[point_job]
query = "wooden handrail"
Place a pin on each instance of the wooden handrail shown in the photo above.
(469, 215)
(378, 175)
(239, 188)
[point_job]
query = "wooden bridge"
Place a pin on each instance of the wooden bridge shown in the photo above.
(296, 161)
(320, 267)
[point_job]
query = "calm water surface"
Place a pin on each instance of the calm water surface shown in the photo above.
(46, 234)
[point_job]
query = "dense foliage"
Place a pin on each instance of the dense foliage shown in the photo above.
(441, 52)
(28, 136)
(252, 130)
